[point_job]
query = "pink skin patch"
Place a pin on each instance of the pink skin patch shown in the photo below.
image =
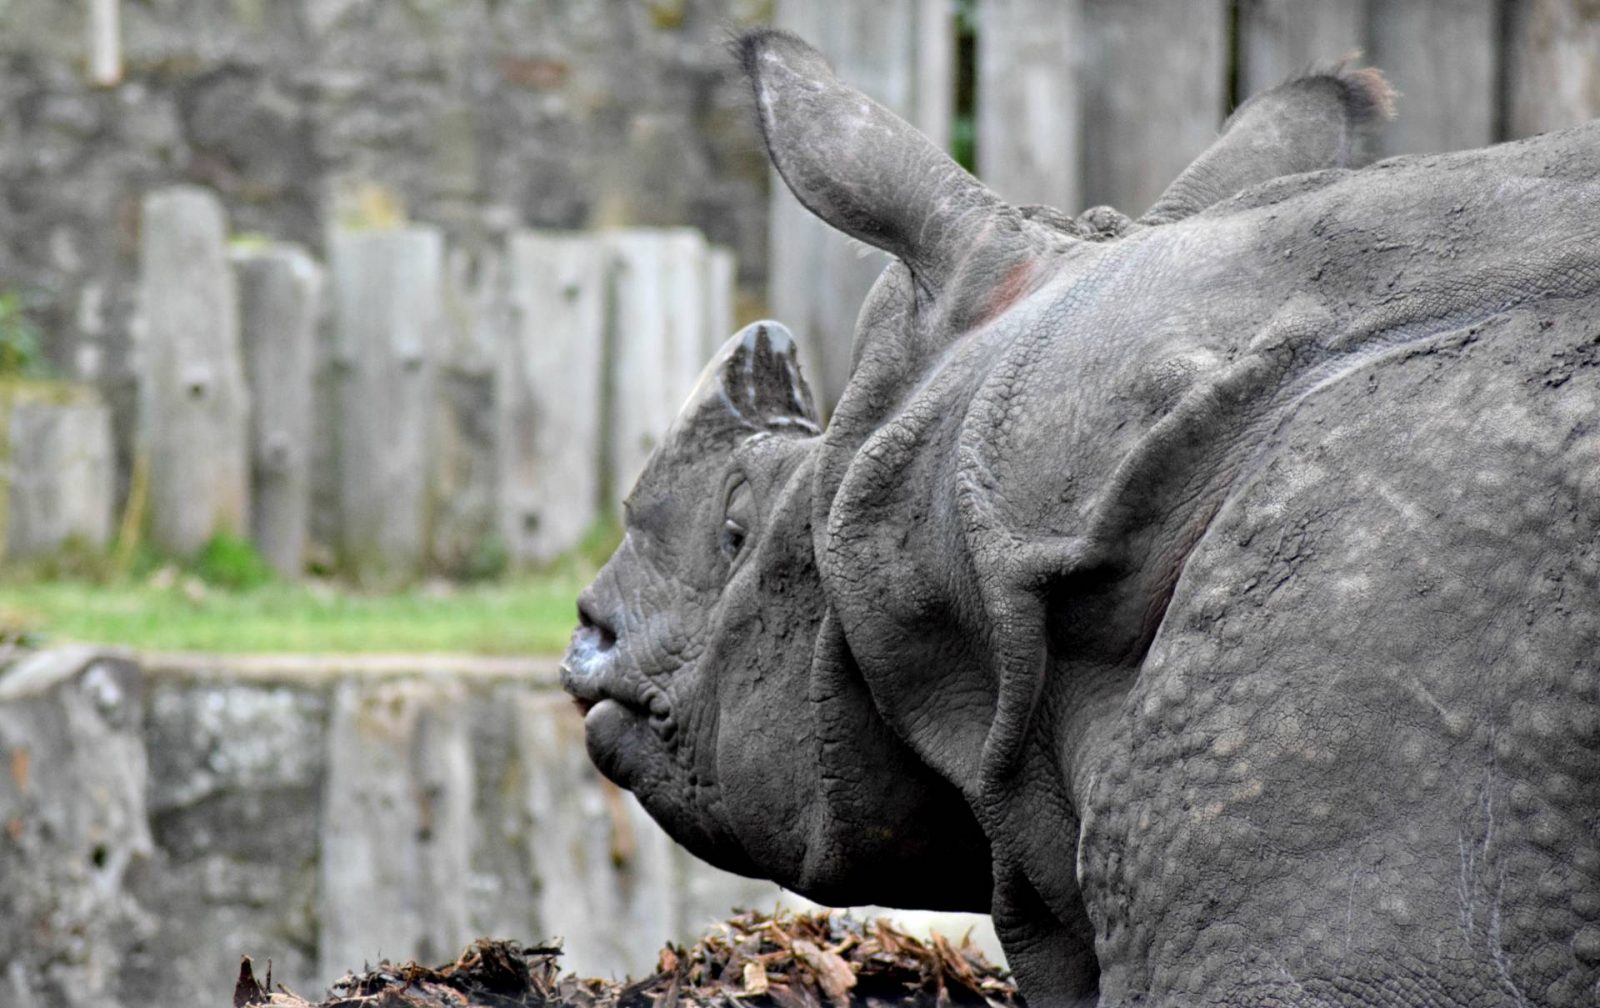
(1016, 283)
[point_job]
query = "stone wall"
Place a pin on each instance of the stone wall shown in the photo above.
(475, 115)
(159, 818)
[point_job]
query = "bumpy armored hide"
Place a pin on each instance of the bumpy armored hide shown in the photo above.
(1218, 594)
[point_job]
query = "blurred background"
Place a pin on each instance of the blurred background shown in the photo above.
(332, 331)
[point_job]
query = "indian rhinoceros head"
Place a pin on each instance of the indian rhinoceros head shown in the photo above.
(716, 685)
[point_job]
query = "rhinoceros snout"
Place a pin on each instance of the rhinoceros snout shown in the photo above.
(587, 621)
(587, 655)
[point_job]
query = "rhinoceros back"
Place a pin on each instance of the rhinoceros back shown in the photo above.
(1381, 667)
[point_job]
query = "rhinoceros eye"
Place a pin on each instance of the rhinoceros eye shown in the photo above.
(736, 521)
(732, 538)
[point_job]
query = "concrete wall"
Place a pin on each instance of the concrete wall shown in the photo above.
(159, 818)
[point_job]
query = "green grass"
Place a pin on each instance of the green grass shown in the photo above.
(222, 602)
(521, 617)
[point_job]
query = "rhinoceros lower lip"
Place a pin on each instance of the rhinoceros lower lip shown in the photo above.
(609, 713)
(611, 734)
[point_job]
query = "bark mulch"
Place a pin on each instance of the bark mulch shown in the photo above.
(753, 960)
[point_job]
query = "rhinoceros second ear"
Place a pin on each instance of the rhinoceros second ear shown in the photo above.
(1310, 123)
(754, 382)
(862, 168)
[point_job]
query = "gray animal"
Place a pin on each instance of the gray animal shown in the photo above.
(1213, 597)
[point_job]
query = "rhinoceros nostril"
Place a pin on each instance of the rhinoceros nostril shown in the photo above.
(608, 636)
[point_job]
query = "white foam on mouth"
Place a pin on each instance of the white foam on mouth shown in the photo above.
(580, 667)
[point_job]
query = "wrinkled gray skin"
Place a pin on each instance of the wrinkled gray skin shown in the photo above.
(1215, 596)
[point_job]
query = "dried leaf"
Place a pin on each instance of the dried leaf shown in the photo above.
(833, 974)
(246, 990)
(775, 961)
(755, 977)
(667, 961)
(785, 996)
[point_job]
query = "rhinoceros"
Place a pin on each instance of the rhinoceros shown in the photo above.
(1213, 597)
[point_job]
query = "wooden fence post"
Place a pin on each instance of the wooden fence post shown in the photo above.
(280, 298)
(686, 263)
(548, 395)
(387, 297)
(193, 404)
(901, 53)
(1280, 39)
(653, 343)
(105, 43)
(1149, 106)
(1440, 56)
(56, 472)
(1028, 107)
(590, 843)
(721, 281)
(1552, 73)
(402, 751)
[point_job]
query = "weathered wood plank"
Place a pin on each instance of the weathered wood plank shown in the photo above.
(548, 395)
(280, 298)
(901, 53)
(1552, 66)
(1028, 100)
(193, 405)
(1280, 39)
(688, 318)
(399, 753)
(1149, 106)
(104, 42)
(58, 470)
(387, 299)
(1440, 56)
(464, 540)
(721, 280)
(590, 845)
(654, 342)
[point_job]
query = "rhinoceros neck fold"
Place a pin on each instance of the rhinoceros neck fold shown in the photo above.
(802, 732)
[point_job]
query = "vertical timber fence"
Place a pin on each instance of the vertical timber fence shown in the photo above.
(1078, 103)
(595, 339)
(394, 411)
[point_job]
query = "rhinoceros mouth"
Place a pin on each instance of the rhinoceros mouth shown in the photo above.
(593, 682)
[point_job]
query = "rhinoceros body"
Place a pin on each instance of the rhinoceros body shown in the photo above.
(1214, 598)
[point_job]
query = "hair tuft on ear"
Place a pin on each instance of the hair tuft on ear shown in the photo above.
(747, 46)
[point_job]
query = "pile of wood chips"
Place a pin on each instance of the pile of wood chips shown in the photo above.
(751, 961)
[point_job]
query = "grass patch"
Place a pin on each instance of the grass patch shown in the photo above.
(222, 602)
(521, 617)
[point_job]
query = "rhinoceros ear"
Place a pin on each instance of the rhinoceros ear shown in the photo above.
(755, 383)
(1307, 124)
(865, 170)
